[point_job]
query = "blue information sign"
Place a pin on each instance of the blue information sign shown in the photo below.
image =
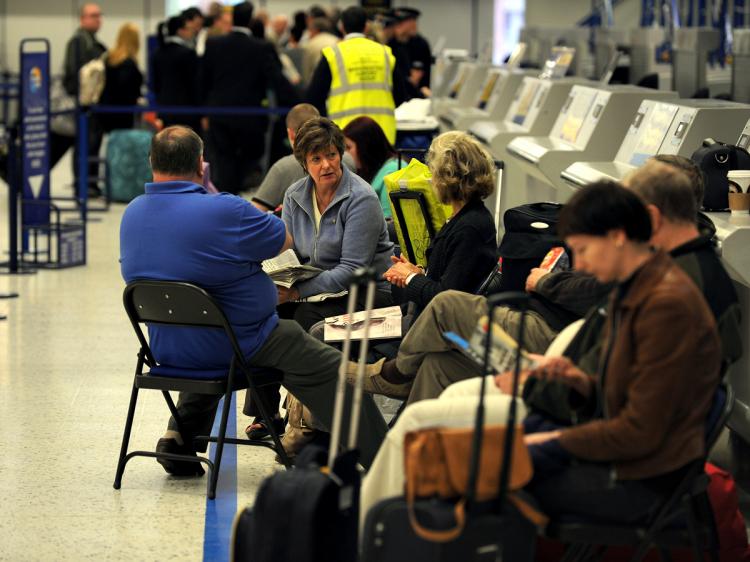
(35, 140)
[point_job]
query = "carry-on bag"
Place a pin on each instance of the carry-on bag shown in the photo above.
(715, 159)
(473, 475)
(417, 214)
(530, 232)
(310, 513)
(127, 163)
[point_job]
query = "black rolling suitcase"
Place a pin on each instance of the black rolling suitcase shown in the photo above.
(493, 531)
(310, 513)
(530, 232)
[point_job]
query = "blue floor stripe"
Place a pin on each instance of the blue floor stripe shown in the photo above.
(220, 512)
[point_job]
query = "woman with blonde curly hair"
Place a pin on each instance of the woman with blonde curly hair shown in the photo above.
(123, 80)
(459, 258)
(464, 251)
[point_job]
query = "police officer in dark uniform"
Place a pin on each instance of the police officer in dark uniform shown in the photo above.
(396, 38)
(417, 46)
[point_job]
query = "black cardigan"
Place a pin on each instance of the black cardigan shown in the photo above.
(460, 257)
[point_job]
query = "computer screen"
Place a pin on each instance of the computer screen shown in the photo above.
(578, 108)
(652, 133)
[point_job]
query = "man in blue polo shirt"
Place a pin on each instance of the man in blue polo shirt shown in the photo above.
(177, 231)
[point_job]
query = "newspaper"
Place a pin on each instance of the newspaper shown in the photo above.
(502, 354)
(320, 297)
(286, 270)
(384, 323)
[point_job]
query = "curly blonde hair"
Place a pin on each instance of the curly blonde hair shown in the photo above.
(462, 170)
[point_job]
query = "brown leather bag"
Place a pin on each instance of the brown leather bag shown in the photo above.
(437, 464)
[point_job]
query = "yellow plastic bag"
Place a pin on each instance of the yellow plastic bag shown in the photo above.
(412, 180)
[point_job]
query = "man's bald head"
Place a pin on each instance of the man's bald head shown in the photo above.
(176, 152)
(90, 16)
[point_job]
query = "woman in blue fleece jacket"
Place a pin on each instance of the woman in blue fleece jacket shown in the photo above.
(335, 219)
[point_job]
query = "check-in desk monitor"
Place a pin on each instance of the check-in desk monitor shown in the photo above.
(592, 121)
(663, 128)
(491, 102)
(533, 111)
(446, 69)
(463, 89)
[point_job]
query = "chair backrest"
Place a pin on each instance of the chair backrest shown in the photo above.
(174, 303)
(718, 415)
(492, 284)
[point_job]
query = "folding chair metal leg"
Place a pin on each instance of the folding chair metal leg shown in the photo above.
(214, 477)
(664, 554)
(573, 552)
(693, 531)
(126, 437)
(397, 415)
(260, 401)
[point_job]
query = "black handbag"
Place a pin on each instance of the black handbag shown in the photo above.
(715, 159)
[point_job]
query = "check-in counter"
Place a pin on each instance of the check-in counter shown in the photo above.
(533, 110)
(491, 102)
(468, 79)
(592, 121)
(733, 243)
(659, 127)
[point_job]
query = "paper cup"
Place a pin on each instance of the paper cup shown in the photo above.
(741, 178)
(739, 203)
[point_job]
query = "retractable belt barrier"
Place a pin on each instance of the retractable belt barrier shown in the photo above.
(84, 116)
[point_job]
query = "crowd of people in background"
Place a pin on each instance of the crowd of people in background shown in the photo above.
(196, 65)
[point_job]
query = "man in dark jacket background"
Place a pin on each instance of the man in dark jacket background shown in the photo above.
(236, 71)
(84, 47)
(175, 67)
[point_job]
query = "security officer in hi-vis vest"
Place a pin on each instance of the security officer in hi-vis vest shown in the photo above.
(356, 77)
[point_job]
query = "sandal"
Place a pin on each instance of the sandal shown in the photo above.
(257, 431)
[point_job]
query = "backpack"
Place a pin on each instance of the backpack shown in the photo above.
(530, 232)
(91, 79)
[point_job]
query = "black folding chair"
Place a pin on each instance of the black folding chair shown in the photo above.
(685, 519)
(176, 303)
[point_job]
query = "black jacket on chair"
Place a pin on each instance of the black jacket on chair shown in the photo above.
(175, 80)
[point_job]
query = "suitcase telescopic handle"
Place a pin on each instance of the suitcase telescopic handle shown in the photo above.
(520, 300)
(360, 276)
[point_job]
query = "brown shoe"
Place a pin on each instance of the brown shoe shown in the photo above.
(294, 439)
(374, 383)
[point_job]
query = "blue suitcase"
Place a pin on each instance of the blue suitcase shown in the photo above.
(128, 168)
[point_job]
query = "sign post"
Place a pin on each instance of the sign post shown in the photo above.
(35, 138)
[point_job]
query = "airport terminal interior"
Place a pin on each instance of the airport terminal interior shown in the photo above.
(475, 139)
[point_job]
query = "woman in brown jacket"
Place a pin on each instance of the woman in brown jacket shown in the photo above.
(657, 375)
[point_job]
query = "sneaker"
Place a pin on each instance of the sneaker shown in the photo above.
(374, 383)
(178, 468)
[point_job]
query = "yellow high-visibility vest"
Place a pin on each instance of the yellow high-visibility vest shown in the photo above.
(361, 83)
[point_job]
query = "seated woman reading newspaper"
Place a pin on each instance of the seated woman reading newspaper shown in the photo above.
(646, 420)
(337, 225)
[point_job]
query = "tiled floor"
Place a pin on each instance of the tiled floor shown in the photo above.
(67, 354)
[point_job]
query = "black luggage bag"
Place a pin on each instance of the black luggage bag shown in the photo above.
(715, 159)
(492, 529)
(530, 232)
(311, 513)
